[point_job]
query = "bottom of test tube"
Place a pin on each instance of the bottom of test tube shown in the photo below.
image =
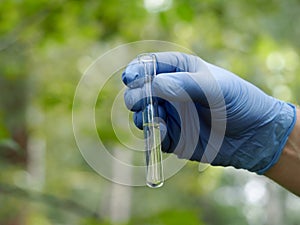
(155, 185)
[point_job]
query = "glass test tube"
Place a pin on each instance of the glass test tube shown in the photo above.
(154, 173)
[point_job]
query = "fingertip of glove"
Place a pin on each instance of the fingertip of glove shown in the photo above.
(124, 78)
(133, 74)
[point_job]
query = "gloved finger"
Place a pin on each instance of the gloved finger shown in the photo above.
(133, 99)
(133, 74)
(138, 117)
(166, 62)
(173, 123)
(184, 87)
(170, 62)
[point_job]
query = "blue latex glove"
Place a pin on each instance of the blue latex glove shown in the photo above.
(193, 94)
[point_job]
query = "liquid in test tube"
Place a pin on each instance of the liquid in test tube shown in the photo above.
(154, 173)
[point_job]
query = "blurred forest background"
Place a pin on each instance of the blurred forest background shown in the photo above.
(45, 46)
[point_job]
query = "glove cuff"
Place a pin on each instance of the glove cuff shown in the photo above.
(286, 121)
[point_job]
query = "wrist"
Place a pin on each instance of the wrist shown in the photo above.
(292, 147)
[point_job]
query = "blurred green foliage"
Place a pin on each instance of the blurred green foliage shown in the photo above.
(45, 46)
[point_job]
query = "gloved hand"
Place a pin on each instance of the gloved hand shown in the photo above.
(198, 101)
